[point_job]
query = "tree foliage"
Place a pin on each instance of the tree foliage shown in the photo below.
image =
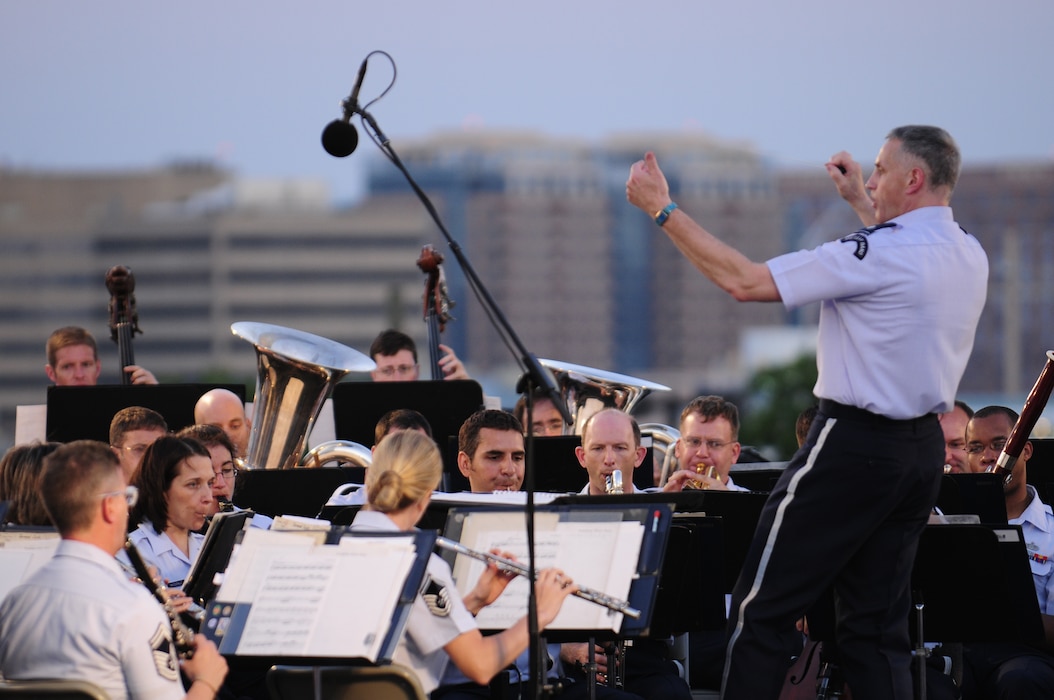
(774, 398)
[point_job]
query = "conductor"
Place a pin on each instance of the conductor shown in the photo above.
(900, 300)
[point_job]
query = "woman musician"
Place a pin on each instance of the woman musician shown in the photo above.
(175, 481)
(406, 469)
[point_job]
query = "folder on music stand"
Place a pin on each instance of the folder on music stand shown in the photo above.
(215, 554)
(85, 412)
(279, 599)
(608, 548)
(357, 406)
(302, 492)
(975, 586)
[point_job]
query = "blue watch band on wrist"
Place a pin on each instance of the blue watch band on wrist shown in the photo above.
(663, 214)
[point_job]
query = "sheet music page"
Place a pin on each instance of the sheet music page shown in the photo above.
(21, 554)
(31, 423)
(324, 603)
(598, 555)
(250, 559)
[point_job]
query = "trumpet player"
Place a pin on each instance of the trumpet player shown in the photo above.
(610, 444)
(708, 446)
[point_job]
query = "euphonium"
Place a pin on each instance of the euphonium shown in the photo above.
(296, 372)
(338, 451)
(613, 483)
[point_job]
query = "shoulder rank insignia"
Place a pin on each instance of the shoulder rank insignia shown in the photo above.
(860, 238)
(437, 598)
(164, 655)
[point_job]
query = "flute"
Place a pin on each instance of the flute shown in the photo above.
(514, 567)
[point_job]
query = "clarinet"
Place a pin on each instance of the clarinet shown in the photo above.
(182, 635)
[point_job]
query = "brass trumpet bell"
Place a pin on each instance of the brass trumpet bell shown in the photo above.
(296, 372)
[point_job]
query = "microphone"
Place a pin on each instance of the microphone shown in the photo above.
(340, 138)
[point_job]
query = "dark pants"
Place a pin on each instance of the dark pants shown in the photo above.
(847, 511)
(1007, 672)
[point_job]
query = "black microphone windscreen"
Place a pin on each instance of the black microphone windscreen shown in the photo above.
(340, 138)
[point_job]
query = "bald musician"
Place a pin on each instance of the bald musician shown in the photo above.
(225, 410)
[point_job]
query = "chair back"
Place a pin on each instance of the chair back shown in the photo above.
(52, 690)
(392, 682)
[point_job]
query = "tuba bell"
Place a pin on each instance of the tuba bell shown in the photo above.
(586, 390)
(296, 372)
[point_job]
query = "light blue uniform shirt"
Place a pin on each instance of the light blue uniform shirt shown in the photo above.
(900, 305)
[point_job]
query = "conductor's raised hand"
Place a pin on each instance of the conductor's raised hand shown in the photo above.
(552, 588)
(848, 179)
(646, 187)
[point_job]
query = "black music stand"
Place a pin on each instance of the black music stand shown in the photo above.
(739, 512)
(357, 406)
(971, 583)
(215, 554)
(85, 412)
(225, 621)
(976, 494)
(656, 519)
(301, 492)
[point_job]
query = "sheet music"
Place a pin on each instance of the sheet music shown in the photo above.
(321, 600)
(21, 554)
(598, 555)
(31, 423)
(250, 559)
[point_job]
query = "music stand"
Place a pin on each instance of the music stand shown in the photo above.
(301, 492)
(216, 550)
(982, 569)
(655, 519)
(357, 406)
(978, 494)
(739, 512)
(85, 412)
(226, 622)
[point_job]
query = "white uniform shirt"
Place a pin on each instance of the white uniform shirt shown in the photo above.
(79, 617)
(1037, 527)
(900, 307)
(159, 550)
(438, 615)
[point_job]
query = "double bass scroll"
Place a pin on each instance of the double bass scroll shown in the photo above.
(437, 304)
(124, 319)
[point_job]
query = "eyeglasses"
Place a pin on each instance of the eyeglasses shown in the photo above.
(134, 450)
(227, 473)
(694, 443)
(392, 370)
(976, 448)
(130, 493)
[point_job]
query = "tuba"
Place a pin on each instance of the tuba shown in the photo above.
(296, 372)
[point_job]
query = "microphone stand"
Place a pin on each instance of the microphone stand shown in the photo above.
(534, 376)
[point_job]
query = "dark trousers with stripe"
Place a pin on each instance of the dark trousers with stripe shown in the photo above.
(846, 513)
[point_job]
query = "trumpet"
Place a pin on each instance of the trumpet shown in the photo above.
(708, 471)
(613, 483)
(514, 567)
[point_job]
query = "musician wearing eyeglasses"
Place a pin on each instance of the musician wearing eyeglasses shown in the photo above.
(546, 420)
(132, 430)
(79, 617)
(395, 354)
(708, 446)
(1014, 670)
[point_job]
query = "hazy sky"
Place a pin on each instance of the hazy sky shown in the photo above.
(251, 83)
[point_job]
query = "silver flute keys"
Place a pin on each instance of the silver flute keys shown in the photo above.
(514, 567)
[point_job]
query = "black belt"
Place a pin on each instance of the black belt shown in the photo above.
(833, 409)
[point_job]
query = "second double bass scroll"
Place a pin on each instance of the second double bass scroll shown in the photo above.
(124, 319)
(437, 305)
